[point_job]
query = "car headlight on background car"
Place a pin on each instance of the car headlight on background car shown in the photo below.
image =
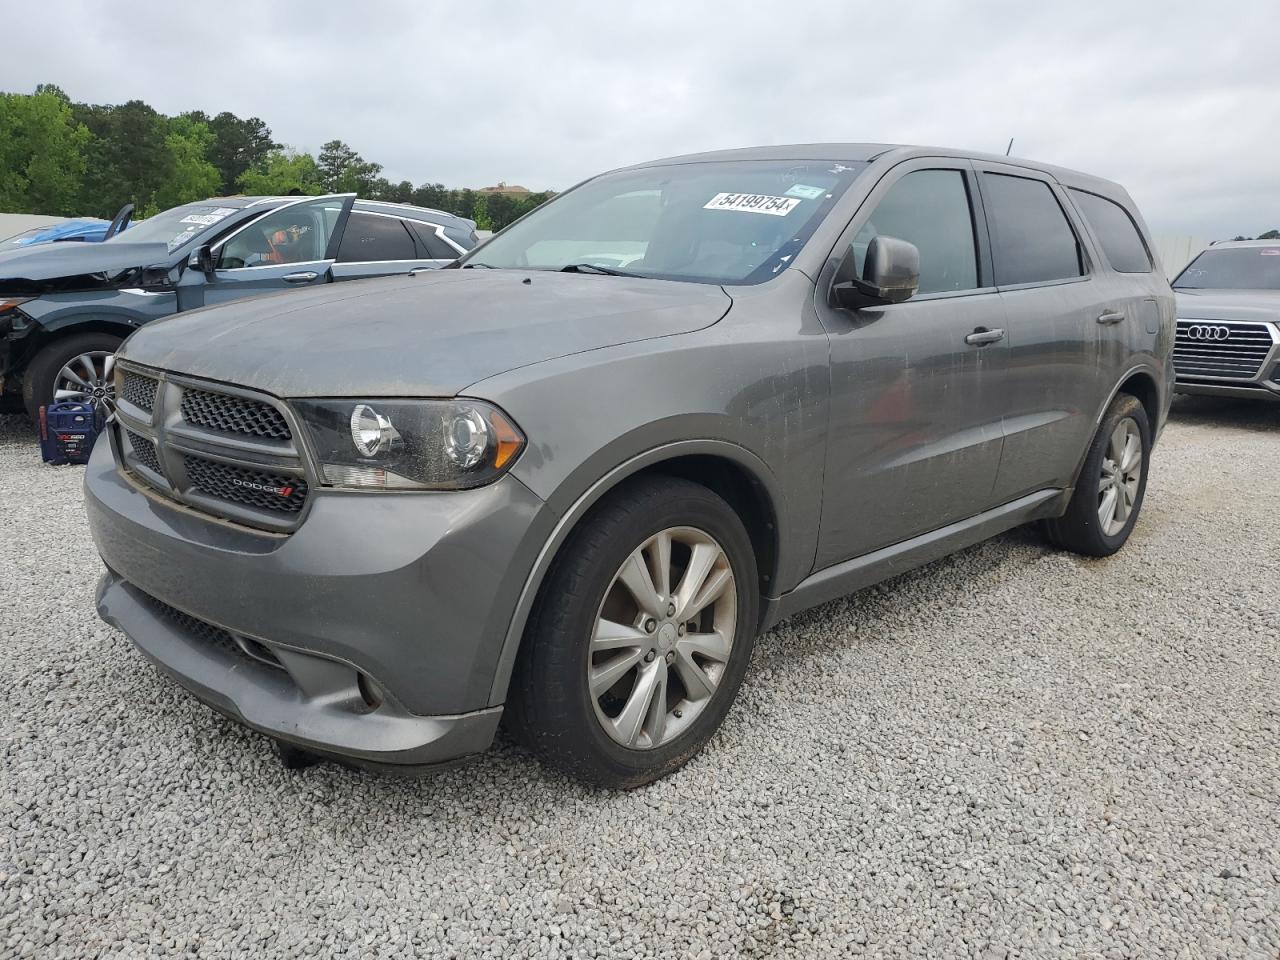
(410, 444)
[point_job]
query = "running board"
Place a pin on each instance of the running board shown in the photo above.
(851, 575)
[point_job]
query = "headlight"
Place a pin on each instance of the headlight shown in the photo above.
(410, 444)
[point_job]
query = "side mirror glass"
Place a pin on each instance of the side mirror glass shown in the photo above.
(891, 274)
(202, 260)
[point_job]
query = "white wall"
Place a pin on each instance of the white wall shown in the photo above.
(12, 224)
(1176, 252)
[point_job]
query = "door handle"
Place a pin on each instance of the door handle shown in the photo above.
(1111, 316)
(306, 276)
(982, 336)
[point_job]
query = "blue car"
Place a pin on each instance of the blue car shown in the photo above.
(65, 307)
(88, 230)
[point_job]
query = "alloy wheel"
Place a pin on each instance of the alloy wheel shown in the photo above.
(88, 378)
(663, 637)
(1121, 476)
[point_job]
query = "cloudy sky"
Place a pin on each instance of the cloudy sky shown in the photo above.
(1179, 102)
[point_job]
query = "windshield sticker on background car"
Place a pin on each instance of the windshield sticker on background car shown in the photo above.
(752, 203)
(209, 219)
(805, 192)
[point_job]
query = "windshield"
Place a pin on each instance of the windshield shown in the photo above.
(177, 226)
(720, 222)
(1235, 268)
(22, 239)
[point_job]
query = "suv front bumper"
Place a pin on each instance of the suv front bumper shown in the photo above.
(407, 596)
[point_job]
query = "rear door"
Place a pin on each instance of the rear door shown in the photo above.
(916, 387)
(1047, 276)
(292, 246)
(382, 244)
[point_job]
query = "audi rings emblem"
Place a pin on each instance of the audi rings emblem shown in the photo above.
(1204, 331)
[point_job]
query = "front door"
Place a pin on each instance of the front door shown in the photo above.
(915, 431)
(291, 247)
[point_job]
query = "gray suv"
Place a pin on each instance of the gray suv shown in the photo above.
(1228, 341)
(565, 482)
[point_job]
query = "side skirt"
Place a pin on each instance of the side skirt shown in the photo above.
(848, 576)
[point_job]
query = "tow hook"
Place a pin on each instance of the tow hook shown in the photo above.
(294, 758)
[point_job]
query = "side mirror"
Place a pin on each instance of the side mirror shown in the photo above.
(202, 260)
(891, 274)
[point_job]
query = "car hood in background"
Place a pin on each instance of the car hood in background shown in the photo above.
(40, 263)
(427, 335)
(1229, 304)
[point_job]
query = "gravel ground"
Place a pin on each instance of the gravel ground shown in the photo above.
(1009, 753)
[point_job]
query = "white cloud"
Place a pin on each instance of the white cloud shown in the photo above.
(1181, 106)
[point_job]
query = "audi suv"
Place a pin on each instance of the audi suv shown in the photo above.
(1228, 336)
(565, 482)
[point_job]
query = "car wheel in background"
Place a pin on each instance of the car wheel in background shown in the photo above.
(641, 635)
(79, 367)
(1111, 485)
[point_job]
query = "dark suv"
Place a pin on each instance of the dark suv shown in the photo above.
(64, 308)
(567, 481)
(1228, 342)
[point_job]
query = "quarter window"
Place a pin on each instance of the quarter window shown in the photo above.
(1116, 231)
(929, 208)
(432, 246)
(370, 238)
(1032, 240)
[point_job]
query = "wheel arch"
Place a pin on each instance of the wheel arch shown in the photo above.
(731, 471)
(1140, 382)
(45, 333)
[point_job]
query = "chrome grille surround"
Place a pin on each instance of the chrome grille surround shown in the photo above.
(257, 477)
(1234, 351)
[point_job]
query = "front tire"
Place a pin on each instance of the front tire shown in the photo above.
(72, 368)
(1111, 486)
(641, 635)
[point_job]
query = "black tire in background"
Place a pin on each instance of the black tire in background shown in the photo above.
(42, 371)
(1080, 529)
(550, 707)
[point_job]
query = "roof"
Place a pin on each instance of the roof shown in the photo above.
(1228, 244)
(867, 152)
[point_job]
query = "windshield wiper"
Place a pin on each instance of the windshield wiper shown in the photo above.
(487, 266)
(593, 268)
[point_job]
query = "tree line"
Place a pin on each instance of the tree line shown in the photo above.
(63, 158)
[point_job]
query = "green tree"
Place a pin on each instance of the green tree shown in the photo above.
(42, 154)
(128, 159)
(238, 145)
(282, 172)
(1270, 235)
(191, 176)
(345, 171)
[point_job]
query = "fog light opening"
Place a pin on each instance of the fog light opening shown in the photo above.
(370, 692)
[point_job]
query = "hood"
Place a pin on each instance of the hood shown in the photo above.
(1229, 304)
(69, 266)
(429, 335)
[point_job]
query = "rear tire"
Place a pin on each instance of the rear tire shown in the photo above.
(619, 694)
(41, 377)
(1111, 486)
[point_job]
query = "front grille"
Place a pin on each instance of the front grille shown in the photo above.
(254, 488)
(1221, 351)
(220, 411)
(144, 451)
(212, 635)
(203, 631)
(140, 390)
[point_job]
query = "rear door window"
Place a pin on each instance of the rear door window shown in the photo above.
(433, 248)
(1116, 231)
(370, 237)
(1032, 239)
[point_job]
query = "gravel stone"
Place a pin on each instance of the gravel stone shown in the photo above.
(1012, 752)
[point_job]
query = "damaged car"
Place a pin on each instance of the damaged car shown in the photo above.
(66, 308)
(565, 482)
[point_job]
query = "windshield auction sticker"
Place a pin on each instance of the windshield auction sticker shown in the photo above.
(752, 203)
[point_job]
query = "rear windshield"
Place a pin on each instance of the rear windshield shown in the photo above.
(719, 222)
(176, 227)
(1234, 268)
